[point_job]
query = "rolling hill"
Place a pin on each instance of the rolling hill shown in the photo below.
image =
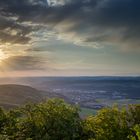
(15, 95)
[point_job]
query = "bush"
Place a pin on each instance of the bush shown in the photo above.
(57, 120)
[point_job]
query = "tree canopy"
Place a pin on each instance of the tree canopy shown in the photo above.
(57, 120)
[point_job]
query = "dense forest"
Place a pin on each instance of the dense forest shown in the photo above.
(57, 120)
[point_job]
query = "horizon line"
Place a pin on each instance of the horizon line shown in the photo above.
(74, 76)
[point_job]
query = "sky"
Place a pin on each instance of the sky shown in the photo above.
(69, 38)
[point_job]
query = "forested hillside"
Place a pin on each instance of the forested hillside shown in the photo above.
(57, 120)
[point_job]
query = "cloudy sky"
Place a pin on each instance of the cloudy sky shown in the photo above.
(69, 37)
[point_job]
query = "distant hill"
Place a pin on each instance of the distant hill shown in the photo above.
(14, 95)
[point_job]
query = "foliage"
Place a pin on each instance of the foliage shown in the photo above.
(57, 120)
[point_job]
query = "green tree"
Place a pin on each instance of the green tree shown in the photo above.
(108, 124)
(52, 120)
(57, 120)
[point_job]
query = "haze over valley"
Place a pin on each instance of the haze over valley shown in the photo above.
(88, 92)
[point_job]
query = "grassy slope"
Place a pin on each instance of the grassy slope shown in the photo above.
(87, 112)
(15, 95)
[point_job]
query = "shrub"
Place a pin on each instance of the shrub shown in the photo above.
(57, 120)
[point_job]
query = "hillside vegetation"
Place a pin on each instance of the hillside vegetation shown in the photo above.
(57, 120)
(15, 95)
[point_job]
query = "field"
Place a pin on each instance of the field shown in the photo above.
(87, 112)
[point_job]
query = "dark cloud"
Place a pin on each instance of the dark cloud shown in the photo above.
(14, 39)
(12, 32)
(109, 21)
(22, 63)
